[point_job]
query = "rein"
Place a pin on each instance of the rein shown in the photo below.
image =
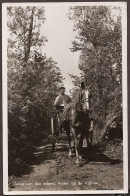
(78, 109)
(81, 110)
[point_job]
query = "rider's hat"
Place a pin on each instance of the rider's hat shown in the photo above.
(61, 87)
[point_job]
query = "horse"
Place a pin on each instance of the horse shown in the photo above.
(78, 121)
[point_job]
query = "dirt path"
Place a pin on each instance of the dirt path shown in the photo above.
(57, 171)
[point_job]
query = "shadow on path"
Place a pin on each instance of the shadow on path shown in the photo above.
(96, 156)
(44, 153)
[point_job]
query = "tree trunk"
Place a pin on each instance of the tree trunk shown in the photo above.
(106, 128)
(29, 38)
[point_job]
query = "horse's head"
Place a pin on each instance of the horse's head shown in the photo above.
(84, 97)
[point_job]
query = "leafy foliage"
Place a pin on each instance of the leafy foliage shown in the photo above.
(100, 42)
(33, 81)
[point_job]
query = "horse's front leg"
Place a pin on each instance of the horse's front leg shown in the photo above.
(69, 141)
(81, 146)
(78, 162)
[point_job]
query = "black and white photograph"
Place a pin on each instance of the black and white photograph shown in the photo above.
(64, 77)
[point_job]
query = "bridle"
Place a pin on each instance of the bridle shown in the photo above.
(86, 99)
(82, 101)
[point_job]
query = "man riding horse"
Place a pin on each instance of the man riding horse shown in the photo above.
(79, 120)
(63, 102)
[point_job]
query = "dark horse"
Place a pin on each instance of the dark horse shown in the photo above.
(78, 121)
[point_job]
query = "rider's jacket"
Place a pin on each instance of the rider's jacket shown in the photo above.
(62, 100)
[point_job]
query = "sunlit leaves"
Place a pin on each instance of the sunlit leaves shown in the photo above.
(99, 39)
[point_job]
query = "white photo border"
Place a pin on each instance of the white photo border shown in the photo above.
(5, 95)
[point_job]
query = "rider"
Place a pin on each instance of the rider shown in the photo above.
(60, 102)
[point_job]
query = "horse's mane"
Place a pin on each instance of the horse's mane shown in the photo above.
(76, 100)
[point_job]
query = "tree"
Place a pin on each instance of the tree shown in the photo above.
(33, 81)
(24, 24)
(100, 42)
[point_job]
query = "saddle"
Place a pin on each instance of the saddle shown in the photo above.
(66, 111)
